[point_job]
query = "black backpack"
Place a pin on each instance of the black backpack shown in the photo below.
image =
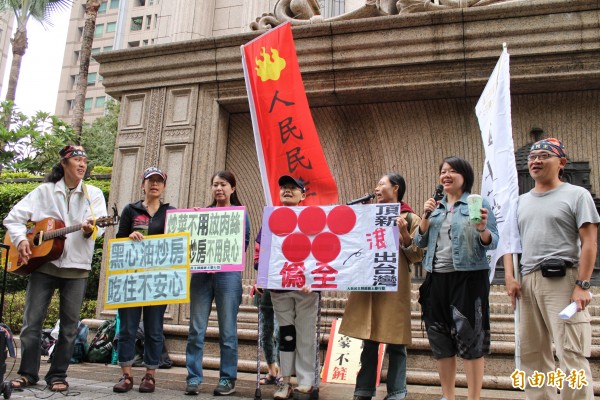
(100, 350)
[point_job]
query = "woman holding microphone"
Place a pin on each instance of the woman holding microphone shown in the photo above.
(455, 295)
(385, 317)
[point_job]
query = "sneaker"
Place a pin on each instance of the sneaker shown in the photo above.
(225, 387)
(192, 389)
(303, 393)
(284, 391)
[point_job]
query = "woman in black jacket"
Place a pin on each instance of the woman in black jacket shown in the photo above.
(139, 219)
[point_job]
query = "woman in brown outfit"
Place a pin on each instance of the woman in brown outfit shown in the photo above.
(384, 317)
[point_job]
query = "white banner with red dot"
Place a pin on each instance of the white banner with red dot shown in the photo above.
(347, 248)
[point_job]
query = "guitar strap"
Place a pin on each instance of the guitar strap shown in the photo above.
(87, 196)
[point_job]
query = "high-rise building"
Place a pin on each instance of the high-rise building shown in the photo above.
(124, 24)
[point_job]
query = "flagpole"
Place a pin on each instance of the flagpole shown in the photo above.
(517, 314)
(257, 139)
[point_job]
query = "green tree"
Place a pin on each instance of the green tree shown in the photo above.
(39, 10)
(91, 12)
(31, 144)
(99, 137)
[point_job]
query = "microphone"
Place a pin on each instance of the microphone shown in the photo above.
(366, 197)
(437, 196)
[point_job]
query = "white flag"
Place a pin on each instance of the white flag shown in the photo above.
(499, 184)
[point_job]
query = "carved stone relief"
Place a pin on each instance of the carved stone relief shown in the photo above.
(302, 12)
(155, 125)
(127, 138)
(174, 136)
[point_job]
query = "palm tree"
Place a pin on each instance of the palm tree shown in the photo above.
(91, 12)
(40, 10)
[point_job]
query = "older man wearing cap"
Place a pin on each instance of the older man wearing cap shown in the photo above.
(64, 197)
(558, 224)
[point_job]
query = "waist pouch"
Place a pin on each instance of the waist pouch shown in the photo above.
(554, 268)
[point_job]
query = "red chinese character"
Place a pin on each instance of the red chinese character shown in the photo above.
(292, 275)
(339, 373)
(379, 234)
(323, 273)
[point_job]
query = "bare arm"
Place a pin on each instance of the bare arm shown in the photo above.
(588, 234)
(513, 287)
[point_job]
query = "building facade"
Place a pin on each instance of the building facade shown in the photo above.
(387, 94)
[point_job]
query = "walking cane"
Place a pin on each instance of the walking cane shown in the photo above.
(315, 393)
(257, 392)
(5, 334)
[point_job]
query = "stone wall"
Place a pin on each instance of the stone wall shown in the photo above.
(387, 94)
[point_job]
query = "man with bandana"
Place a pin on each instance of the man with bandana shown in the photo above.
(62, 196)
(558, 223)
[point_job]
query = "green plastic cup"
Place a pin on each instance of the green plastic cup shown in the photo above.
(475, 203)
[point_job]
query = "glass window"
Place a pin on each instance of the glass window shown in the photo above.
(114, 4)
(111, 27)
(100, 102)
(102, 8)
(92, 78)
(148, 21)
(99, 30)
(107, 48)
(136, 23)
(96, 50)
(88, 104)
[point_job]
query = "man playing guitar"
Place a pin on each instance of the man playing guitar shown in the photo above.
(63, 197)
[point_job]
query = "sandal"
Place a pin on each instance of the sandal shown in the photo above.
(20, 383)
(269, 379)
(59, 385)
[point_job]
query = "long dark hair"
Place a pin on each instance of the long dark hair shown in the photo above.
(56, 174)
(229, 177)
(463, 167)
(397, 180)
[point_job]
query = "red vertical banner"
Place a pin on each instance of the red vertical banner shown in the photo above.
(287, 142)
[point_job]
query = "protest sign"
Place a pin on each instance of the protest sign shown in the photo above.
(149, 272)
(348, 248)
(217, 241)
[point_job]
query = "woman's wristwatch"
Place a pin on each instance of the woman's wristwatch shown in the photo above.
(481, 230)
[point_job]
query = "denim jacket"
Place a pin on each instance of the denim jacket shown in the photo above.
(468, 253)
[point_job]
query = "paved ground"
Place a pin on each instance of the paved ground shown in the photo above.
(95, 381)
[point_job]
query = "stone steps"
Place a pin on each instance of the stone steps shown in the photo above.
(421, 366)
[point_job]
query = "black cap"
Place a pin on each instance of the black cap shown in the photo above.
(290, 179)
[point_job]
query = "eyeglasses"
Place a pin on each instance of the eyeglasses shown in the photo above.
(541, 156)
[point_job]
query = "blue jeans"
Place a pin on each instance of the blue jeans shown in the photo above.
(40, 289)
(269, 339)
(153, 334)
(396, 377)
(226, 289)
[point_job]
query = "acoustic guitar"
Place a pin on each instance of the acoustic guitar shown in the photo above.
(47, 241)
